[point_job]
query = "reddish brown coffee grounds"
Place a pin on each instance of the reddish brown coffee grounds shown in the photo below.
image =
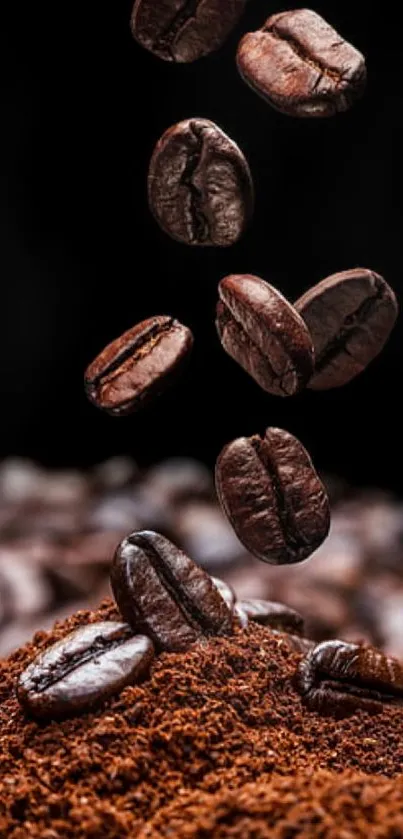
(351, 806)
(210, 720)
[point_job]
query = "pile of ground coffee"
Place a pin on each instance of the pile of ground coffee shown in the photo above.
(351, 806)
(210, 720)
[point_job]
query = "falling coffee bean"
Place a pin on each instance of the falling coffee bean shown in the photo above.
(264, 334)
(274, 615)
(199, 185)
(350, 317)
(184, 30)
(301, 66)
(226, 591)
(340, 678)
(272, 496)
(160, 591)
(84, 668)
(138, 365)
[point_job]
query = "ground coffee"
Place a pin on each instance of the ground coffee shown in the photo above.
(219, 716)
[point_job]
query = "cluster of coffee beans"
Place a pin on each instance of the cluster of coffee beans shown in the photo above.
(58, 532)
(201, 193)
(168, 602)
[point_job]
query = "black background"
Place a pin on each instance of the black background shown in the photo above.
(82, 259)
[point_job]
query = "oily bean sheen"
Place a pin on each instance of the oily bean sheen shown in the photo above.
(264, 334)
(138, 365)
(199, 185)
(184, 30)
(301, 66)
(342, 678)
(89, 665)
(160, 591)
(226, 591)
(274, 615)
(350, 316)
(272, 496)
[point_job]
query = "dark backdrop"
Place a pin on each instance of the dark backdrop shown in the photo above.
(82, 259)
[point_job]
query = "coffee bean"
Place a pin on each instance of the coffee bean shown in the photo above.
(199, 185)
(350, 316)
(226, 591)
(184, 30)
(138, 365)
(274, 615)
(301, 66)
(272, 496)
(89, 665)
(342, 678)
(260, 330)
(160, 591)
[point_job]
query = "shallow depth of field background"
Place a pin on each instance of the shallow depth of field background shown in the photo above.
(81, 258)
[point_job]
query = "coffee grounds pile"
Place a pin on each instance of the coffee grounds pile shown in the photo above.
(351, 806)
(209, 721)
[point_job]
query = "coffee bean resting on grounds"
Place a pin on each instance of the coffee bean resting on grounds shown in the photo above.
(221, 715)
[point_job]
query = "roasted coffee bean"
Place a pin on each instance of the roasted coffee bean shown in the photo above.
(138, 365)
(274, 615)
(199, 185)
(184, 30)
(160, 591)
(272, 496)
(301, 66)
(264, 334)
(342, 678)
(226, 591)
(350, 316)
(89, 665)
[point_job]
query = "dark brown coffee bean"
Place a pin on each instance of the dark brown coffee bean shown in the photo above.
(272, 496)
(226, 591)
(264, 334)
(342, 678)
(274, 615)
(89, 665)
(160, 591)
(138, 365)
(301, 66)
(350, 317)
(184, 30)
(199, 185)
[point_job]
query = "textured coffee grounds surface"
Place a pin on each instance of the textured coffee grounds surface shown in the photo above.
(351, 806)
(218, 717)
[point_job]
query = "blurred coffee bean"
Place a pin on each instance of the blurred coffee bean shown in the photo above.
(206, 535)
(115, 473)
(272, 614)
(19, 480)
(24, 590)
(180, 479)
